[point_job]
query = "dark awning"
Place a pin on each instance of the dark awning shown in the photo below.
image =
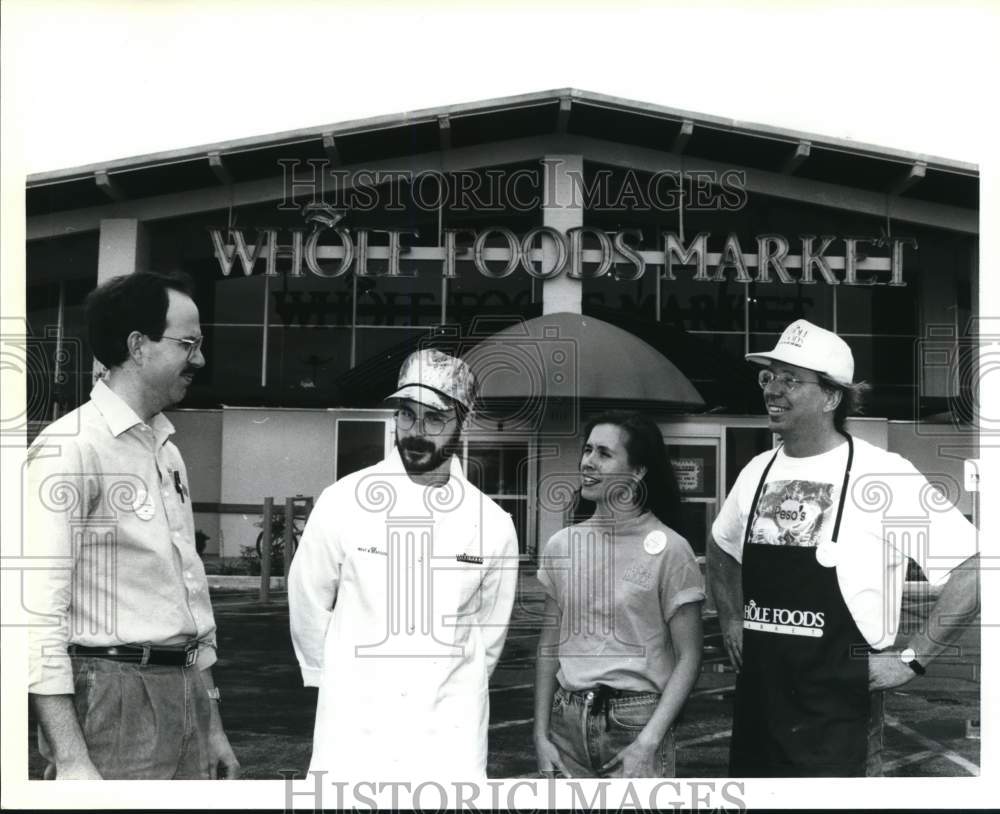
(567, 355)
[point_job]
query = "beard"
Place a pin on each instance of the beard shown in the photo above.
(421, 455)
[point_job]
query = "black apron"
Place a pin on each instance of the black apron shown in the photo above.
(802, 701)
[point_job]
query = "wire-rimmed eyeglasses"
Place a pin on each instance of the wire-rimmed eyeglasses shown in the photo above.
(190, 345)
(430, 424)
(786, 380)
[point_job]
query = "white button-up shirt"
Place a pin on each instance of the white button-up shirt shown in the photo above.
(399, 598)
(114, 538)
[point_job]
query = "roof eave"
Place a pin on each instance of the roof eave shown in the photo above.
(429, 115)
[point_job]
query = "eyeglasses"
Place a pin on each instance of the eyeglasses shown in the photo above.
(787, 382)
(430, 424)
(190, 345)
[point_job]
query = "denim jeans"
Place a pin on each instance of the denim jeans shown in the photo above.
(140, 722)
(588, 736)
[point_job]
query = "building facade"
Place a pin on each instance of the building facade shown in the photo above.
(576, 232)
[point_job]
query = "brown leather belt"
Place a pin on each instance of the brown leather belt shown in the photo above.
(185, 656)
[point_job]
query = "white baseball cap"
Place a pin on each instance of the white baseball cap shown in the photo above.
(435, 379)
(806, 345)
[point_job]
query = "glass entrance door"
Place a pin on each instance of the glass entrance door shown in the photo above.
(695, 460)
(502, 470)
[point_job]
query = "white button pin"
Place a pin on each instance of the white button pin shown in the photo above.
(655, 542)
(827, 554)
(143, 506)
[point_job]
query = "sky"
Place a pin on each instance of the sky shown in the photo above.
(95, 81)
(87, 81)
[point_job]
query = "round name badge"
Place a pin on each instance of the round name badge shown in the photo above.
(655, 542)
(143, 506)
(827, 554)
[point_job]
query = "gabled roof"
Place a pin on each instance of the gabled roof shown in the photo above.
(562, 112)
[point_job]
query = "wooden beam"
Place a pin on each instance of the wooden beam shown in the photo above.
(444, 131)
(682, 137)
(794, 161)
(914, 175)
(219, 168)
(245, 193)
(108, 186)
(330, 148)
(565, 106)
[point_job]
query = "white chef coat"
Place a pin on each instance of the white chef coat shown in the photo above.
(399, 598)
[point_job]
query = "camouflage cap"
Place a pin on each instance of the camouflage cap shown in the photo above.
(436, 379)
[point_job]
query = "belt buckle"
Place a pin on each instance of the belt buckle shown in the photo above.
(191, 656)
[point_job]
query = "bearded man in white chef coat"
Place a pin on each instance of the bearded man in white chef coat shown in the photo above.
(400, 595)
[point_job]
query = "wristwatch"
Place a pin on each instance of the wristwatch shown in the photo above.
(215, 695)
(909, 658)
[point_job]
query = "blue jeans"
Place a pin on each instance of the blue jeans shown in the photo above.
(588, 733)
(140, 722)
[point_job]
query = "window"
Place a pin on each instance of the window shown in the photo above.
(361, 442)
(502, 471)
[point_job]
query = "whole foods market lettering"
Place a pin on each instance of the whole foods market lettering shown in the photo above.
(328, 250)
(786, 621)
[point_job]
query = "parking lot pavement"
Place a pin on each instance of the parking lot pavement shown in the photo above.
(269, 715)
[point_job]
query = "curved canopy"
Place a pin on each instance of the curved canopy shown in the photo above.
(565, 355)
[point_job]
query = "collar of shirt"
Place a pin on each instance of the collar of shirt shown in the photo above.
(121, 418)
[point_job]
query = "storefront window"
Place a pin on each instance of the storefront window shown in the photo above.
(56, 352)
(360, 443)
(695, 468)
(500, 471)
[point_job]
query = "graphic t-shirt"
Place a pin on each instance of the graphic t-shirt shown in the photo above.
(798, 504)
(891, 513)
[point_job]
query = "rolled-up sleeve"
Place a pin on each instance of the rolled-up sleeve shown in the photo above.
(313, 582)
(681, 581)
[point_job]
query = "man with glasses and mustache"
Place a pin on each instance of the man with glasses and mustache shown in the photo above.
(121, 659)
(808, 573)
(400, 594)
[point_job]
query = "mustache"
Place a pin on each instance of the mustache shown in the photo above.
(416, 445)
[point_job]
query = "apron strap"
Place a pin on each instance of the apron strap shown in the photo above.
(756, 498)
(843, 488)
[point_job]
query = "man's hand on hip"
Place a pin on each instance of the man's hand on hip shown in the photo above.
(885, 671)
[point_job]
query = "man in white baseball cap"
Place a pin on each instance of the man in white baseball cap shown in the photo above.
(807, 576)
(400, 595)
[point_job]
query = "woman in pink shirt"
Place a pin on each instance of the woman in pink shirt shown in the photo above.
(620, 648)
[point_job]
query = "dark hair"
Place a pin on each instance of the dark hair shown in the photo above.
(132, 302)
(851, 399)
(644, 445)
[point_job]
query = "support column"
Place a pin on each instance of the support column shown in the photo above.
(939, 324)
(122, 249)
(562, 209)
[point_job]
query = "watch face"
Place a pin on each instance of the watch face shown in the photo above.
(907, 655)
